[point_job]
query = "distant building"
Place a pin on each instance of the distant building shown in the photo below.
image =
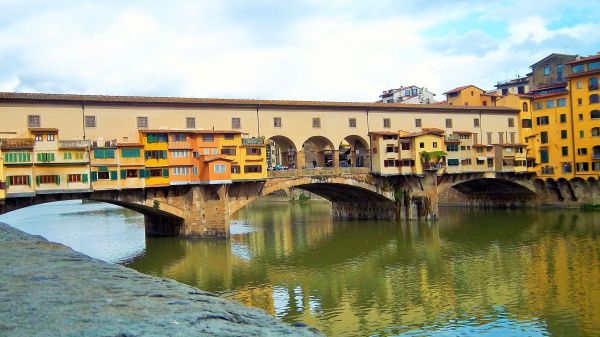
(517, 86)
(470, 95)
(410, 95)
(550, 70)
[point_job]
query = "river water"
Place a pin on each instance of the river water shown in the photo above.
(471, 273)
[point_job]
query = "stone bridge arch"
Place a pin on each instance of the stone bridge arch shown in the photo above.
(351, 197)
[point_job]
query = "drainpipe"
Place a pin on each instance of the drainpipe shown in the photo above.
(574, 163)
(370, 145)
(258, 120)
(83, 118)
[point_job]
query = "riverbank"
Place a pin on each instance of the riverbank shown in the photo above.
(47, 289)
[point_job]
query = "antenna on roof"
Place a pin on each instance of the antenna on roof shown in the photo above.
(566, 49)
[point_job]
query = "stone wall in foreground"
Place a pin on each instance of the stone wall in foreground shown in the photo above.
(47, 289)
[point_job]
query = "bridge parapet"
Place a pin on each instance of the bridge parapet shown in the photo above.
(320, 171)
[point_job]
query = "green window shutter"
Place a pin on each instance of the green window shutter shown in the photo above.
(58, 180)
(28, 156)
(37, 180)
(39, 157)
(142, 173)
(51, 156)
(165, 172)
(98, 153)
(94, 175)
(123, 174)
(151, 137)
(84, 178)
(110, 153)
(7, 182)
(113, 175)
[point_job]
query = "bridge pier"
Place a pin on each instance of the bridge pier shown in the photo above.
(365, 210)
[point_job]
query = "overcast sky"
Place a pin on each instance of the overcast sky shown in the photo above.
(272, 49)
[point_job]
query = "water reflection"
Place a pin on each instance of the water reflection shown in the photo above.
(473, 272)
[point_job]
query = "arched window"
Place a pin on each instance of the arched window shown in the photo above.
(595, 131)
(525, 107)
(593, 83)
(594, 98)
(595, 114)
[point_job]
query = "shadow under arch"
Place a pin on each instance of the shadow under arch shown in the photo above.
(493, 187)
(354, 152)
(318, 152)
(281, 151)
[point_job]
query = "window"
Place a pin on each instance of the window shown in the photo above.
(448, 122)
(594, 65)
(229, 136)
(90, 121)
(594, 114)
(38, 138)
(594, 98)
(142, 122)
(50, 138)
(577, 69)
(45, 157)
(405, 146)
(252, 168)
(195, 170)
(559, 72)
(33, 121)
(156, 154)
(565, 151)
(546, 71)
(525, 107)
(418, 122)
(219, 168)
(583, 167)
(579, 101)
(178, 137)
(466, 103)
(154, 173)
(472, 93)
(208, 137)
(131, 152)
(465, 162)
(561, 102)
(104, 153)
(582, 151)
(501, 137)
(434, 145)
(595, 132)
(521, 89)
(352, 122)
(484, 103)
(537, 106)
(476, 122)
(504, 91)
(206, 151)
(74, 178)
(453, 162)
(391, 163)
(593, 83)
(526, 123)
(549, 104)
(542, 120)
(131, 173)
(578, 84)
(544, 137)
(544, 156)
(387, 123)
(451, 147)
(563, 118)
(47, 179)
(180, 153)
(17, 157)
(253, 151)
(596, 166)
(581, 134)
(190, 122)
(235, 169)
(511, 122)
(316, 122)
(228, 151)
(67, 155)
(215, 151)
(236, 123)
(512, 138)
(19, 180)
(181, 170)
(563, 134)
(277, 122)
(489, 138)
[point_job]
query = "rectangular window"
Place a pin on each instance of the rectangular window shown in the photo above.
(578, 84)
(131, 153)
(542, 120)
(235, 169)
(352, 122)
(131, 173)
(405, 146)
(561, 102)
(90, 121)
(549, 104)
(253, 151)
(104, 153)
(387, 123)
(156, 173)
(526, 123)
(538, 106)
(418, 122)
(448, 122)
(33, 121)
(50, 138)
(38, 138)
(512, 138)
(142, 122)
(563, 118)
(579, 101)
(511, 122)
(156, 154)
(563, 134)
(577, 69)
(316, 122)
(45, 157)
(190, 123)
(229, 136)
(74, 178)
(228, 151)
(476, 122)
(501, 137)
(544, 158)
(422, 145)
(236, 123)
(581, 134)
(391, 149)
(544, 137)
(47, 179)
(451, 147)
(489, 138)
(219, 168)
(209, 137)
(583, 167)
(180, 153)
(453, 162)
(277, 122)
(67, 155)
(546, 70)
(181, 170)
(434, 145)
(178, 137)
(565, 151)
(195, 170)
(252, 168)
(582, 151)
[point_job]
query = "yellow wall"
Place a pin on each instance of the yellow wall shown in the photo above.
(2, 177)
(470, 95)
(584, 123)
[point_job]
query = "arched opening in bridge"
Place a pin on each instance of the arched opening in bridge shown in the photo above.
(354, 152)
(318, 152)
(281, 153)
(495, 192)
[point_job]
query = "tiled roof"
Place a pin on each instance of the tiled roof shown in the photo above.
(384, 133)
(16, 143)
(129, 145)
(585, 59)
(463, 132)
(198, 131)
(210, 159)
(170, 101)
(43, 129)
(457, 89)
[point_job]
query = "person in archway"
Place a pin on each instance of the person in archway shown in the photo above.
(314, 163)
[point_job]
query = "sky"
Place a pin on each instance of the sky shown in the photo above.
(271, 49)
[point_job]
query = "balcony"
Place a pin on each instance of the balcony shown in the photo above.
(320, 171)
(547, 170)
(253, 141)
(74, 144)
(175, 145)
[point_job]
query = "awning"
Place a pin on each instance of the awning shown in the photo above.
(481, 158)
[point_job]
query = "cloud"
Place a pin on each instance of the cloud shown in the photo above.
(337, 50)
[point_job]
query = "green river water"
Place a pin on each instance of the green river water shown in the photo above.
(471, 273)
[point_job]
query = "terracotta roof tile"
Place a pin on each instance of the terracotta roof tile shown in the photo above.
(16, 143)
(43, 129)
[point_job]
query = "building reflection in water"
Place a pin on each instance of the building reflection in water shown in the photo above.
(536, 270)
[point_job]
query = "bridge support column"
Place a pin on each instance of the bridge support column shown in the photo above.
(300, 162)
(370, 210)
(336, 158)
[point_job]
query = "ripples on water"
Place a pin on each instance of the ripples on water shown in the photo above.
(472, 273)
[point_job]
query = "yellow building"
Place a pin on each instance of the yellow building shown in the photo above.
(104, 165)
(585, 115)
(17, 156)
(469, 95)
(131, 165)
(2, 177)
(552, 122)
(525, 122)
(253, 159)
(156, 146)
